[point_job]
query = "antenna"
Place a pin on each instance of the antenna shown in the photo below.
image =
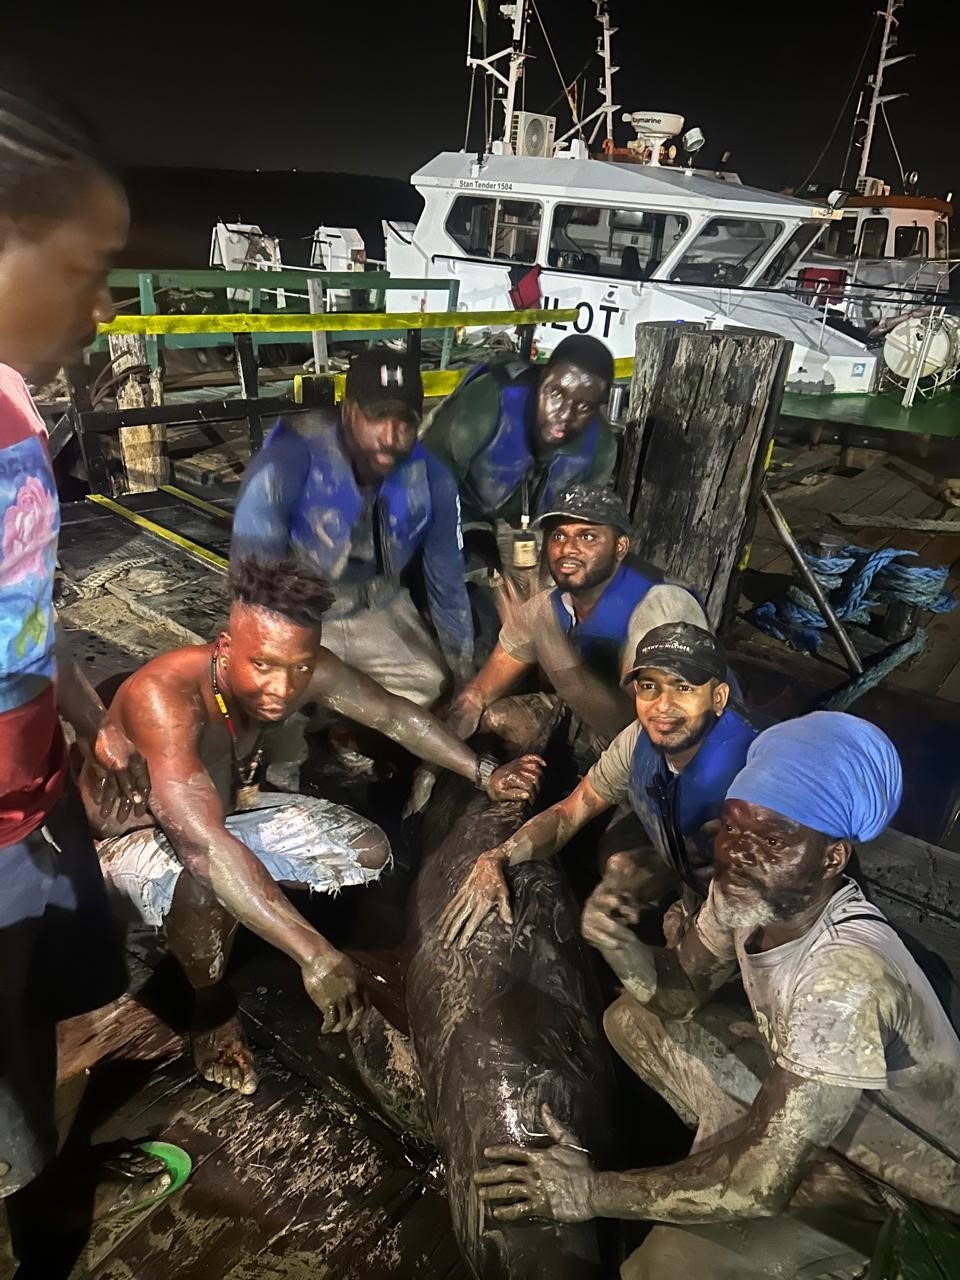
(604, 48)
(878, 99)
(607, 106)
(516, 52)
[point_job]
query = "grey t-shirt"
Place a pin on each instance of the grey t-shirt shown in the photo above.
(662, 603)
(610, 775)
(848, 1005)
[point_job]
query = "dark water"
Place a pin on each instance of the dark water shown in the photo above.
(173, 210)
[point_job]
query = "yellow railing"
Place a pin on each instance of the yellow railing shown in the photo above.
(331, 321)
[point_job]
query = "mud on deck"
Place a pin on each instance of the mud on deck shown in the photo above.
(303, 1179)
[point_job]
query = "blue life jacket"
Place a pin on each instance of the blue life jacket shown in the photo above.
(673, 807)
(322, 522)
(600, 638)
(498, 470)
(300, 495)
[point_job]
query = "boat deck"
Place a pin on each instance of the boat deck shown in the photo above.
(892, 491)
(298, 1181)
(304, 1179)
(937, 415)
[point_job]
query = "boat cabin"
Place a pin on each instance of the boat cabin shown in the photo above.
(610, 220)
(623, 243)
(886, 226)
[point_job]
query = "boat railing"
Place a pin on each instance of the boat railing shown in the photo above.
(252, 294)
(239, 328)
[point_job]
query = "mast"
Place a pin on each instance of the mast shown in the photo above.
(877, 99)
(516, 53)
(604, 48)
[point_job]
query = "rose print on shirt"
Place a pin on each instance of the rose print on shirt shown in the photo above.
(28, 529)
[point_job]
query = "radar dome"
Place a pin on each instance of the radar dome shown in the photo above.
(661, 124)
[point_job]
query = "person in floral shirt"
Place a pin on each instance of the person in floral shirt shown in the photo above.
(63, 217)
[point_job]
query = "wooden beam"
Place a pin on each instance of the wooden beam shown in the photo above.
(143, 449)
(864, 520)
(703, 405)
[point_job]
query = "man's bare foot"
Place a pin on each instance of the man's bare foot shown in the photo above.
(127, 1180)
(223, 1056)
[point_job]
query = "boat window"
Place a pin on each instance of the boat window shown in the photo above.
(517, 230)
(470, 223)
(940, 248)
(625, 244)
(489, 228)
(873, 238)
(911, 242)
(796, 246)
(840, 240)
(726, 250)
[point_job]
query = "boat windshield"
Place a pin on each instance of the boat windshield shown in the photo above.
(873, 238)
(726, 250)
(911, 242)
(796, 245)
(840, 239)
(628, 244)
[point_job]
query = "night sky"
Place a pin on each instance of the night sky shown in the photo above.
(378, 88)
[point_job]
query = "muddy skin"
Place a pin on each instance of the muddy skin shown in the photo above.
(126, 1181)
(499, 1030)
(200, 934)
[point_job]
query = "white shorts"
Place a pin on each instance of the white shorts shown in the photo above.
(300, 840)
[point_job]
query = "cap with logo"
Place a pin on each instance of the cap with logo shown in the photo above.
(592, 504)
(683, 650)
(381, 381)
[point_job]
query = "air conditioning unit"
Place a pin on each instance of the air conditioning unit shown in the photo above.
(868, 186)
(532, 134)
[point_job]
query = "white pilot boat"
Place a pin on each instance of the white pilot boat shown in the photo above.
(624, 236)
(887, 253)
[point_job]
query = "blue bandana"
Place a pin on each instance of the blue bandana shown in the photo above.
(832, 772)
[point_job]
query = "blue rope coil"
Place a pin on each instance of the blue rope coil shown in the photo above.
(856, 581)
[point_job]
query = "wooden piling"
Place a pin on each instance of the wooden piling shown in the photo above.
(143, 449)
(703, 407)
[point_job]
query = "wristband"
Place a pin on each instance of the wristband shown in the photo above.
(486, 767)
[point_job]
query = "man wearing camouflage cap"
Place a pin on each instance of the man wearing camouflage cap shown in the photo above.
(582, 633)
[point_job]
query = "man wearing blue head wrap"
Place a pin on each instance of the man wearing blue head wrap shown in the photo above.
(785, 772)
(855, 1055)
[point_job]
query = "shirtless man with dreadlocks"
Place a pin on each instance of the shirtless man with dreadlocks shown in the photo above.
(211, 854)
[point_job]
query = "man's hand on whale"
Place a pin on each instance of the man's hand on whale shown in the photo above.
(555, 1183)
(484, 890)
(516, 780)
(485, 887)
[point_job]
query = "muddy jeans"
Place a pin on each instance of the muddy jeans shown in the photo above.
(709, 1069)
(392, 645)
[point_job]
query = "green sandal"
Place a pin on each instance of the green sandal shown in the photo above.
(177, 1163)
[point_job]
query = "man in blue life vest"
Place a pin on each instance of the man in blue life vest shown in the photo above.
(672, 767)
(358, 497)
(584, 632)
(516, 435)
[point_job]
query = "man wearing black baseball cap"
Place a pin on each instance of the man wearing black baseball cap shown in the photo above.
(583, 633)
(671, 768)
(358, 497)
